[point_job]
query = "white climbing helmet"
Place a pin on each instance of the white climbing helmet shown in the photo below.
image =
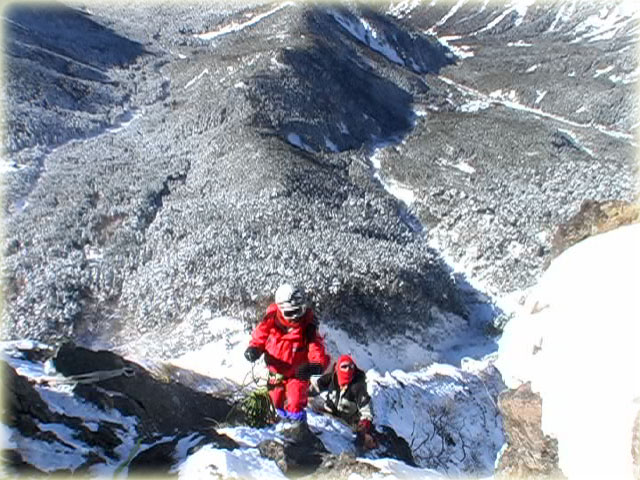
(291, 301)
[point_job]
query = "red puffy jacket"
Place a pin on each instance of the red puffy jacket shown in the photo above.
(287, 345)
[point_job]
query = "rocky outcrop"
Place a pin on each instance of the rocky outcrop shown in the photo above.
(529, 453)
(145, 396)
(295, 456)
(101, 411)
(594, 218)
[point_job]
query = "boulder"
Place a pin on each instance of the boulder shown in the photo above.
(142, 394)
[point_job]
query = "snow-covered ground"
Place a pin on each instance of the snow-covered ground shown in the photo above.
(576, 340)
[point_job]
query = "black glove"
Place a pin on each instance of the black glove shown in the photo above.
(252, 354)
(304, 371)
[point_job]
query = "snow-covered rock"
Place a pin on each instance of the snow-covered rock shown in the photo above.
(576, 341)
(448, 415)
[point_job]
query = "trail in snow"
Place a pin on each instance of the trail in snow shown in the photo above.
(535, 111)
(236, 27)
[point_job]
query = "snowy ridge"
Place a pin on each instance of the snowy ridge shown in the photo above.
(236, 27)
(403, 8)
(460, 51)
(450, 14)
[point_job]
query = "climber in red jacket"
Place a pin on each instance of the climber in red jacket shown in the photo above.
(293, 351)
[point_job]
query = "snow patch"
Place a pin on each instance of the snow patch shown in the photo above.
(474, 106)
(400, 470)
(449, 14)
(626, 78)
(243, 464)
(565, 13)
(510, 96)
(541, 95)
(330, 145)
(398, 190)
(5, 438)
(518, 6)
(508, 100)
(182, 448)
(460, 51)
(297, 141)
(439, 402)
(223, 357)
(248, 437)
(465, 167)
(367, 34)
(602, 71)
(46, 456)
(577, 142)
(606, 24)
(403, 8)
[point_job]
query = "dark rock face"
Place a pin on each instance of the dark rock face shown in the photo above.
(137, 422)
(304, 453)
(24, 411)
(391, 445)
(300, 453)
(529, 453)
(294, 459)
(136, 409)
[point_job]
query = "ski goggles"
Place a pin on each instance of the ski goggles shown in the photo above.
(347, 366)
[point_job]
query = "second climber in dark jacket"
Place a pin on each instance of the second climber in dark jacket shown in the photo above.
(343, 393)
